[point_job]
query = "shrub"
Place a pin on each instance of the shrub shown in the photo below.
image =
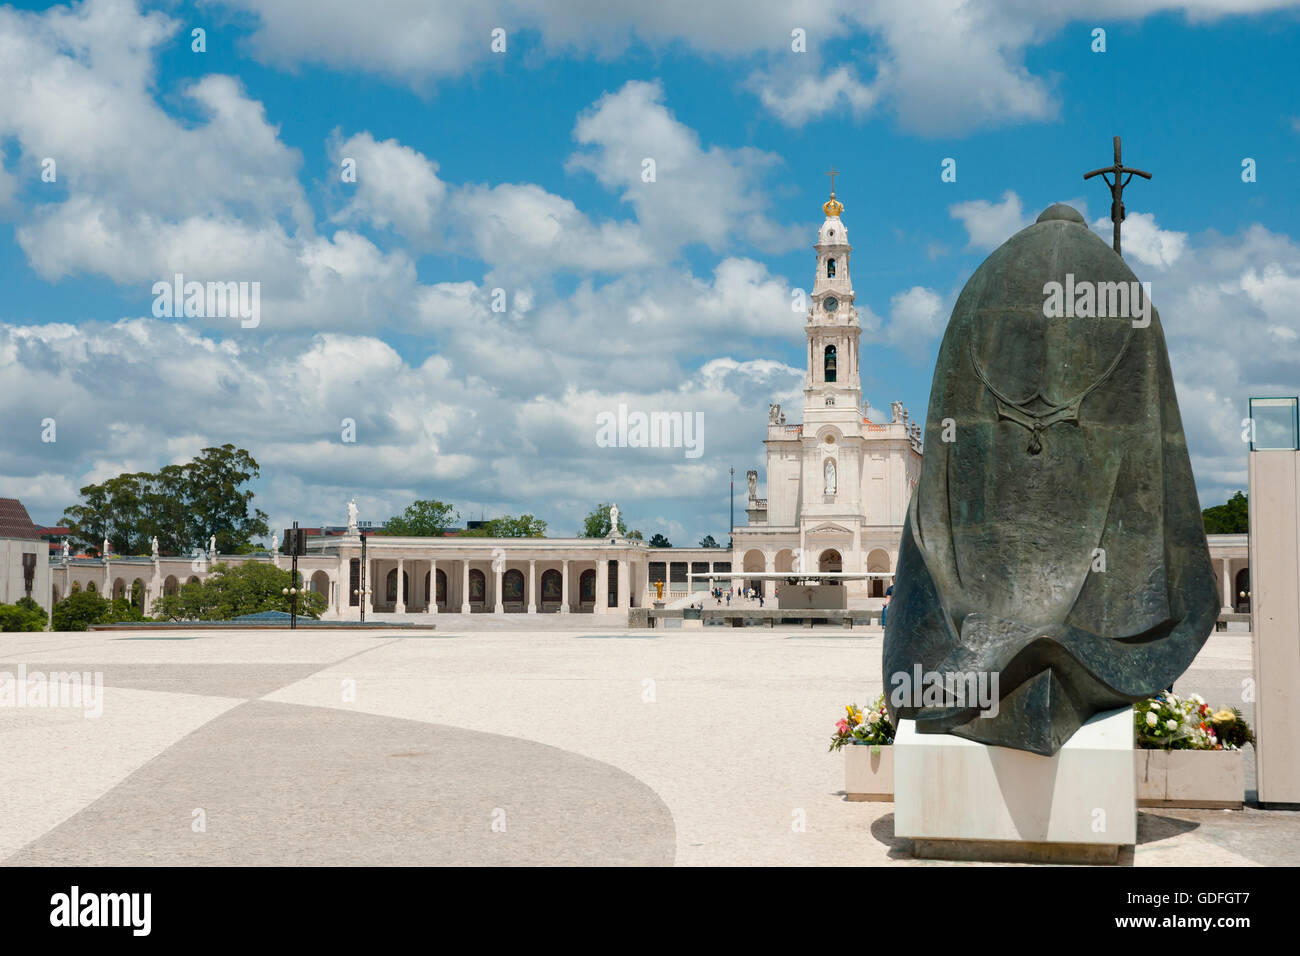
(26, 615)
(79, 610)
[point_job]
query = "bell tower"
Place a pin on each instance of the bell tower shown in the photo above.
(833, 330)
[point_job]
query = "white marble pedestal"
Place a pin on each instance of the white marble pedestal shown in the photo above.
(957, 799)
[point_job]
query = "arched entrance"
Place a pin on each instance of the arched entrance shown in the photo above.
(587, 590)
(754, 560)
(477, 590)
(512, 591)
(830, 561)
(390, 588)
(171, 585)
(878, 561)
(552, 590)
(320, 584)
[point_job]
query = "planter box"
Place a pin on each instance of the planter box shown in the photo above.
(867, 775)
(1190, 779)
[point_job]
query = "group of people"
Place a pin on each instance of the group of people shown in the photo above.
(719, 595)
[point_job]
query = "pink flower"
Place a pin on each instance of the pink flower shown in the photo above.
(842, 726)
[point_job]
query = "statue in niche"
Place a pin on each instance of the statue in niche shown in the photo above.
(830, 476)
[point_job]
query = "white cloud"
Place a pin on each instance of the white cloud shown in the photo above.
(796, 99)
(917, 318)
(989, 224)
(1145, 241)
(699, 195)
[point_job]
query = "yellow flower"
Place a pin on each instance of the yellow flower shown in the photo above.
(1223, 715)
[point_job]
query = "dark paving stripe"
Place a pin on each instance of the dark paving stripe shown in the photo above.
(286, 785)
(208, 680)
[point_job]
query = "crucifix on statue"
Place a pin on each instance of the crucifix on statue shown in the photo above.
(1117, 188)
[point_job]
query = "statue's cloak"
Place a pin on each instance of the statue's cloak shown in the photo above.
(1055, 536)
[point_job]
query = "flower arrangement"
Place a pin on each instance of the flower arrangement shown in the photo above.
(1169, 722)
(871, 726)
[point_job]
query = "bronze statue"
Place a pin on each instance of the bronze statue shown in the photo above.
(1054, 542)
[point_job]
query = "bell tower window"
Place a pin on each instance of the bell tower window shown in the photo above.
(828, 367)
(830, 268)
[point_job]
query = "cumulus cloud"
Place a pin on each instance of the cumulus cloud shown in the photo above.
(917, 318)
(1145, 241)
(989, 224)
(796, 99)
(700, 194)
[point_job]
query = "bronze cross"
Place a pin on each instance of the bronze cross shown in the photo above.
(1117, 188)
(832, 174)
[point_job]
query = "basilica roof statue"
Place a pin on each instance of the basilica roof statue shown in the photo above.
(1055, 536)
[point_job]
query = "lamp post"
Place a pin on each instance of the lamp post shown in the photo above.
(295, 545)
(362, 590)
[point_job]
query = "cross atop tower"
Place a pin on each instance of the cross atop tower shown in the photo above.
(832, 174)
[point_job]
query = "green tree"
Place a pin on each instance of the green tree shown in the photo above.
(216, 506)
(181, 505)
(659, 541)
(424, 518)
(596, 524)
(708, 542)
(235, 590)
(1232, 517)
(525, 526)
(79, 610)
(26, 615)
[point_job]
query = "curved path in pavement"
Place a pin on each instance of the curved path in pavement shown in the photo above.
(291, 785)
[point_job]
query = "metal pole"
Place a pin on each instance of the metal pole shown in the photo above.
(362, 578)
(731, 503)
(293, 583)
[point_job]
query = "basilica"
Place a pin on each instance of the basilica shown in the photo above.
(838, 485)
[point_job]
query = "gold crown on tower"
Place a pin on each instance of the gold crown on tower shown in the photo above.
(832, 206)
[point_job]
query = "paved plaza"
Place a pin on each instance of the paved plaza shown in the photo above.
(490, 741)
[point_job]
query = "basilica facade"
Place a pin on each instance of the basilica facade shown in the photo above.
(838, 485)
(839, 481)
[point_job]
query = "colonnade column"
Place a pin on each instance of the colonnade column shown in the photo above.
(500, 605)
(464, 586)
(1226, 578)
(532, 585)
(401, 586)
(433, 587)
(564, 588)
(625, 584)
(602, 585)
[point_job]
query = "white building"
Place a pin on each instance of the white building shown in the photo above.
(24, 557)
(838, 488)
(838, 484)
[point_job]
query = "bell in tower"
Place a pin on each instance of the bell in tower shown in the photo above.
(829, 367)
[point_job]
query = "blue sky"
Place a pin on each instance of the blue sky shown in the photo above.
(520, 171)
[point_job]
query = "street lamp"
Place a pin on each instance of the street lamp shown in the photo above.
(292, 593)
